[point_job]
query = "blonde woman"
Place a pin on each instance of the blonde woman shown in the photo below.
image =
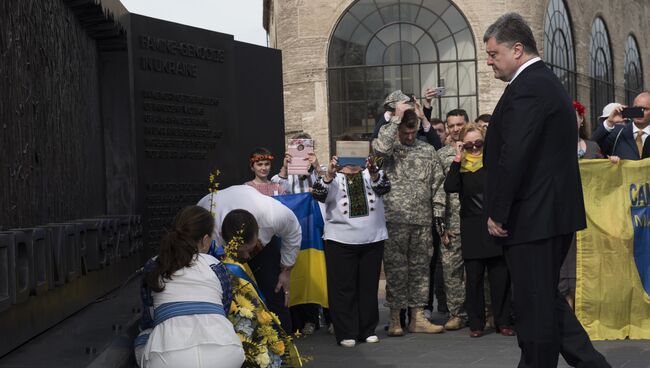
(466, 177)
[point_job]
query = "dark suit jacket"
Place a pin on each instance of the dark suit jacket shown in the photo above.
(533, 181)
(620, 142)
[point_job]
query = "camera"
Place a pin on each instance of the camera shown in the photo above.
(632, 112)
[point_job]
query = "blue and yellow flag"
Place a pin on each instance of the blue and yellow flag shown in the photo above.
(309, 276)
(613, 253)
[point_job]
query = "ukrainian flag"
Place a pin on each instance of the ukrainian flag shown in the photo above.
(613, 253)
(309, 275)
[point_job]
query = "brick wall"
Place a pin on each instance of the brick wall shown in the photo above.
(302, 28)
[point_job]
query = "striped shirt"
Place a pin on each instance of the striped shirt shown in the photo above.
(293, 184)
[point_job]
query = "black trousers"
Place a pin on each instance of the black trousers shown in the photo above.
(546, 326)
(266, 269)
(352, 285)
(304, 313)
(499, 280)
(436, 282)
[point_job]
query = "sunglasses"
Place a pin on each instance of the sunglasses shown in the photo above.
(478, 144)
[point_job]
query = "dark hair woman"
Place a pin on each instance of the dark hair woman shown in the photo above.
(260, 161)
(243, 224)
(186, 295)
(466, 177)
(586, 148)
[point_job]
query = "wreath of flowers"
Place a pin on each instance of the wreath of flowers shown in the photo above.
(265, 343)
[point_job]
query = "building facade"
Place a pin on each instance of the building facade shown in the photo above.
(341, 57)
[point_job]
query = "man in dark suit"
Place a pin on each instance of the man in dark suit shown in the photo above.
(533, 194)
(628, 141)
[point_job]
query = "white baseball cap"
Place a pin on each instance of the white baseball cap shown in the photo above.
(607, 110)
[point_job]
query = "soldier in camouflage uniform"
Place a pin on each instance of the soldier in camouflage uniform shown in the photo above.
(416, 198)
(453, 266)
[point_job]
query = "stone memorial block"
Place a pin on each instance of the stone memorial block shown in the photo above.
(199, 101)
(21, 265)
(38, 255)
(72, 239)
(7, 271)
(181, 99)
(95, 254)
(58, 270)
(81, 230)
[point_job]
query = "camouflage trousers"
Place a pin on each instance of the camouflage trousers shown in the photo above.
(453, 269)
(407, 254)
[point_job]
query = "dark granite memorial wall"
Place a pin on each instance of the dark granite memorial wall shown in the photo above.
(200, 101)
(51, 139)
(110, 123)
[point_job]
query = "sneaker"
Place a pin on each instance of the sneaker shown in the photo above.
(330, 329)
(427, 314)
(454, 323)
(348, 343)
(308, 329)
(372, 339)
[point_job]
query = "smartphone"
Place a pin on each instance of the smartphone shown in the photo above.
(632, 112)
(440, 91)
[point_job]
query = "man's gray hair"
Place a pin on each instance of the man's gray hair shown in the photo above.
(511, 28)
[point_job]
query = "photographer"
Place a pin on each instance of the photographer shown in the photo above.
(425, 132)
(626, 141)
(355, 230)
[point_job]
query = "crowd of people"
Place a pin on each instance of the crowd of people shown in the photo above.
(494, 202)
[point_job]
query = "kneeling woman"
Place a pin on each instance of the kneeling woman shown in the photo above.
(186, 295)
(355, 230)
(466, 177)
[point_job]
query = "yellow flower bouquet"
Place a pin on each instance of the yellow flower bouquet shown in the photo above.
(266, 344)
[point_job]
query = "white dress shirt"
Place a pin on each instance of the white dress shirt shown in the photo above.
(273, 218)
(524, 66)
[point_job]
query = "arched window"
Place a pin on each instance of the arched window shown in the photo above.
(600, 69)
(559, 53)
(380, 46)
(633, 71)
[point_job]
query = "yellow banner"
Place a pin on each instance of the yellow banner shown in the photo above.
(613, 253)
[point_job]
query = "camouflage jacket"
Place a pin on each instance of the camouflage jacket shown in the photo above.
(416, 174)
(452, 208)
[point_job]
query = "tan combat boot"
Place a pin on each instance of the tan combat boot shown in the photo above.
(394, 326)
(454, 323)
(420, 324)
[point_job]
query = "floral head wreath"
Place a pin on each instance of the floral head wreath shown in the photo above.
(580, 108)
(257, 157)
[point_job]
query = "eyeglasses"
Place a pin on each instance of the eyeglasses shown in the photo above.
(476, 145)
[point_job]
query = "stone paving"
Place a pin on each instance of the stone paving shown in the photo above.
(448, 350)
(89, 338)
